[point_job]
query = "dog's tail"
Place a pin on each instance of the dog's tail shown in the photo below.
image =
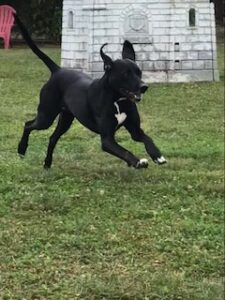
(53, 67)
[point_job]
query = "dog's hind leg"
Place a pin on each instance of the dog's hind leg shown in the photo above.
(23, 144)
(64, 123)
(41, 122)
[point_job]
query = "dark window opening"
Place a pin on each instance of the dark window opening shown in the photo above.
(70, 20)
(177, 47)
(192, 17)
(177, 64)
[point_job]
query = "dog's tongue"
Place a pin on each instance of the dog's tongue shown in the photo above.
(134, 97)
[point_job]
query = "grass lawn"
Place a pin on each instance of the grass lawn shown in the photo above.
(92, 228)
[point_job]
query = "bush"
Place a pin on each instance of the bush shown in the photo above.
(42, 17)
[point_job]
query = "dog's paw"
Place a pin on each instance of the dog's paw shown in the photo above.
(142, 163)
(21, 150)
(21, 156)
(47, 165)
(160, 160)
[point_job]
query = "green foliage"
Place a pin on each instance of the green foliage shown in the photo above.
(42, 17)
(46, 17)
(92, 228)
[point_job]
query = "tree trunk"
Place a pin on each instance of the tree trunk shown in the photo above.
(219, 8)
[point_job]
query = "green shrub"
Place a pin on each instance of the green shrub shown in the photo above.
(42, 17)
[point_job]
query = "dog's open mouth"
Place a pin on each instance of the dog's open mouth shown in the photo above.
(132, 96)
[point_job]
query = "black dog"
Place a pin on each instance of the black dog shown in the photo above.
(102, 105)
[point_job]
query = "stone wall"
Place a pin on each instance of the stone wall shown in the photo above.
(167, 47)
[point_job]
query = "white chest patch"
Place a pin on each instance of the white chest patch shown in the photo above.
(121, 117)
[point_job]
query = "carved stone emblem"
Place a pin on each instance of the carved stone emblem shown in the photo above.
(136, 22)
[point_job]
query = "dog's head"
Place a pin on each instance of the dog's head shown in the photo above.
(124, 76)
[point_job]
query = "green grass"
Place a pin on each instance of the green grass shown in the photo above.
(92, 228)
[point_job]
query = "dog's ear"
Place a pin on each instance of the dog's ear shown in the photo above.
(106, 59)
(128, 51)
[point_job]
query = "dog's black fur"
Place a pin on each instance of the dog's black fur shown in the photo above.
(97, 104)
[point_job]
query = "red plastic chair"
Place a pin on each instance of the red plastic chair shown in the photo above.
(6, 23)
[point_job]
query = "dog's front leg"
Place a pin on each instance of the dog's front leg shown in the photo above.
(110, 145)
(152, 149)
(139, 135)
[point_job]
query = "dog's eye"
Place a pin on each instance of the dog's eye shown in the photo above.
(125, 74)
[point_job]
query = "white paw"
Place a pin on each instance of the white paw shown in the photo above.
(143, 163)
(161, 160)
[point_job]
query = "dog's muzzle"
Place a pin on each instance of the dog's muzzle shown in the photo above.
(134, 96)
(143, 88)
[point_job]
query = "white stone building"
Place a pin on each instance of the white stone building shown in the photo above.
(174, 40)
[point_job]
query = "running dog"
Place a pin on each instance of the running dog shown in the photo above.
(102, 105)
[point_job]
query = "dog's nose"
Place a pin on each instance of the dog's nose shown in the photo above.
(144, 88)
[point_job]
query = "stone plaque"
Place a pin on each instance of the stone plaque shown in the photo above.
(136, 26)
(137, 22)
